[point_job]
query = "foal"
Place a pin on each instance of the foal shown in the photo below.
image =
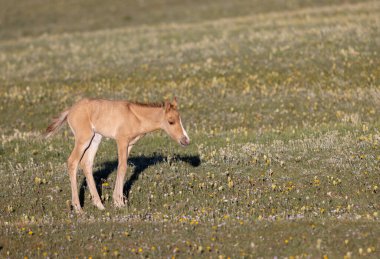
(126, 122)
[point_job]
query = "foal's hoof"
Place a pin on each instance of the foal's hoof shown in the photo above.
(99, 206)
(119, 204)
(118, 201)
(78, 209)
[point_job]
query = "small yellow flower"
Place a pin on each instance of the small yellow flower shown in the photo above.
(347, 255)
(230, 182)
(319, 242)
(194, 222)
(37, 180)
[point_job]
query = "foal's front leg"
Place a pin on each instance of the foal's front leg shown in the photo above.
(122, 149)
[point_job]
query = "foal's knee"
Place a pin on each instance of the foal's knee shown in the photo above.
(87, 167)
(122, 167)
(71, 166)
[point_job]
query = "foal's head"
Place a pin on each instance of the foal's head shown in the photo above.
(172, 124)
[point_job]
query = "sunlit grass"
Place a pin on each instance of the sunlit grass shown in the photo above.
(281, 104)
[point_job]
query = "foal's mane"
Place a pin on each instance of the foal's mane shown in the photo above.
(147, 104)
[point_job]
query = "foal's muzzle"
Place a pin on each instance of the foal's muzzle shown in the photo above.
(184, 141)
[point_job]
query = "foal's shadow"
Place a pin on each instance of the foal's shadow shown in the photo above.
(140, 163)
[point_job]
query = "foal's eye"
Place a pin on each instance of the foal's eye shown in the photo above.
(171, 122)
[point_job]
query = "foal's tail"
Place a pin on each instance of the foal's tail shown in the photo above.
(56, 124)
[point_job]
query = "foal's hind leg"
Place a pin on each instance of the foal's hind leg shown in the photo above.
(82, 141)
(87, 163)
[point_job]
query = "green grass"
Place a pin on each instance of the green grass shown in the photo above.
(280, 98)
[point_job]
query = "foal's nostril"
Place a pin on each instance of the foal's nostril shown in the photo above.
(185, 141)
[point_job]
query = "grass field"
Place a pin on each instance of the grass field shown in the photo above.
(280, 98)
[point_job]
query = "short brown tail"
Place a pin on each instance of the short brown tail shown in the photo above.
(56, 124)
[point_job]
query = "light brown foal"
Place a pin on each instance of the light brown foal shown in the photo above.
(126, 122)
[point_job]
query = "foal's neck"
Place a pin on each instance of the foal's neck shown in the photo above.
(150, 117)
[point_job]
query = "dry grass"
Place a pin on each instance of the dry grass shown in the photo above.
(281, 100)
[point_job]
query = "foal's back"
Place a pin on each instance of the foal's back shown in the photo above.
(101, 116)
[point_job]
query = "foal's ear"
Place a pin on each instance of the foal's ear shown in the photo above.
(175, 103)
(167, 106)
